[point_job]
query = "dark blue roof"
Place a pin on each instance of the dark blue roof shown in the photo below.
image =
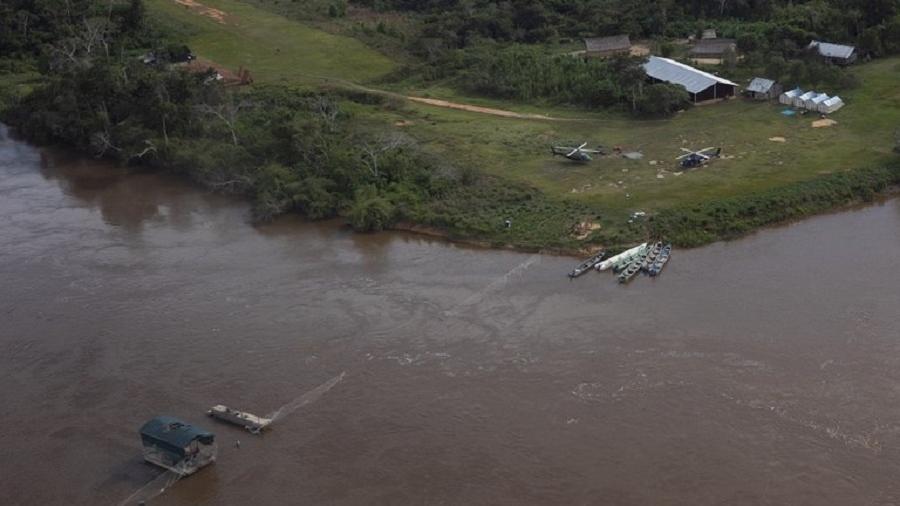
(174, 432)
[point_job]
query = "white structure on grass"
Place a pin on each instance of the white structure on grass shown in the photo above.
(812, 104)
(831, 105)
(801, 100)
(787, 98)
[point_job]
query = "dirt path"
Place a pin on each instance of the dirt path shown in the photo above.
(474, 108)
(215, 14)
(221, 17)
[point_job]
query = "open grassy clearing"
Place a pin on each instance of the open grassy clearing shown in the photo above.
(517, 150)
(273, 48)
(520, 149)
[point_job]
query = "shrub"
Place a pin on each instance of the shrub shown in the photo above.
(371, 212)
(662, 99)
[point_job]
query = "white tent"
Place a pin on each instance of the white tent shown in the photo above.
(813, 103)
(831, 105)
(787, 98)
(801, 100)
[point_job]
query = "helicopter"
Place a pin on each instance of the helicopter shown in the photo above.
(578, 154)
(692, 159)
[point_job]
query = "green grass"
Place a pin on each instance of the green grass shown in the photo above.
(273, 48)
(278, 50)
(519, 149)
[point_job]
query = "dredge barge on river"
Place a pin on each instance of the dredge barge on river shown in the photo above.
(177, 446)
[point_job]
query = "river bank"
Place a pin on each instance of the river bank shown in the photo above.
(472, 376)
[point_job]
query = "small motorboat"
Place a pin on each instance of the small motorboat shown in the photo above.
(660, 262)
(629, 272)
(587, 265)
(652, 256)
(254, 424)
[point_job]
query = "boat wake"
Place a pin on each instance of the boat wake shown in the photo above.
(493, 286)
(152, 489)
(307, 398)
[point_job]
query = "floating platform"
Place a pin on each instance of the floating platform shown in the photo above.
(177, 446)
(254, 424)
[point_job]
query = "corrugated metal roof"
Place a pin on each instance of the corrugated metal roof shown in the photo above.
(833, 101)
(614, 43)
(674, 72)
(760, 85)
(832, 50)
(796, 92)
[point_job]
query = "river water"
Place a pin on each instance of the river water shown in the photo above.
(759, 371)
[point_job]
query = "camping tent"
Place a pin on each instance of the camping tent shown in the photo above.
(801, 100)
(831, 105)
(787, 98)
(813, 103)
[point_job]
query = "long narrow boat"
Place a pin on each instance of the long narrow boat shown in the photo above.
(660, 261)
(614, 260)
(587, 265)
(629, 272)
(249, 421)
(652, 256)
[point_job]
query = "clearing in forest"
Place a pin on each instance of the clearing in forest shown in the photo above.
(273, 48)
(512, 140)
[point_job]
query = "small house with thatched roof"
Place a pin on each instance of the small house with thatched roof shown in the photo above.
(712, 50)
(603, 47)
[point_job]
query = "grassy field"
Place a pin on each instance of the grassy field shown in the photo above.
(520, 149)
(273, 48)
(517, 150)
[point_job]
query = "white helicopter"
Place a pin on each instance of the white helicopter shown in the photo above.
(578, 154)
(693, 159)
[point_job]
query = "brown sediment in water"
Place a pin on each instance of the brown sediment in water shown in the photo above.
(472, 376)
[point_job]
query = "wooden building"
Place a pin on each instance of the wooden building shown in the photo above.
(763, 89)
(712, 51)
(603, 47)
(835, 53)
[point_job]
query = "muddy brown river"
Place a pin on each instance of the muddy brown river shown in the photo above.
(759, 371)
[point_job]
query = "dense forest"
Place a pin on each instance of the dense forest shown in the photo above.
(290, 151)
(510, 49)
(460, 23)
(302, 151)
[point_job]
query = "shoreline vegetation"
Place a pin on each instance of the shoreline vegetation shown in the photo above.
(298, 141)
